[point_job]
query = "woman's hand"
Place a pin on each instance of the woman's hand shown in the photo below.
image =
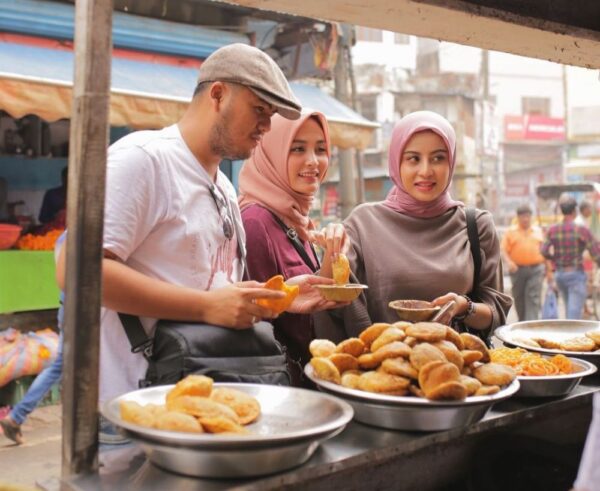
(333, 240)
(310, 300)
(460, 306)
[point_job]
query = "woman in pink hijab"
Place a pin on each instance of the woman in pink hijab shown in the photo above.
(415, 245)
(277, 188)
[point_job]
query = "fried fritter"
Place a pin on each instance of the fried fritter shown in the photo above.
(416, 390)
(352, 346)
(381, 382)
(487, 390)
(201, 407)
(581, 343)
(495, 374)
(321, 348)
(368, 361)
(436, 373)
(427, 331)
(451, 353)
(222, 424)
(471, 384)
(371, 333)
(474, 343)
(174, 421)
(471, 356)
(547, 343)
(344, 362)
(394, 349)
(388, 336)
(527, 342)
(132, 412)
(424, 353)
(325, 369)
(450, 391)
(399, 366)
(350, 379)
(192, 385)
(454, 337)
(410, 341)
(245, 406)
(594, 336)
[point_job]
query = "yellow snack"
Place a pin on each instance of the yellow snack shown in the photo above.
(245, 406)
(279, 305)
(192, 385)
(341, 270)
(132, 412)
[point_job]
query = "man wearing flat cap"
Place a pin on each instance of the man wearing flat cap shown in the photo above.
(173, 240)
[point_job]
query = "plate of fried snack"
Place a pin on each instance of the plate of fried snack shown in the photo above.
(580, 338)
(207, 429)
(543, 375)
(342, 290)
(423, 376)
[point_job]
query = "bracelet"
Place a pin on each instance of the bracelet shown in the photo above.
(470, 309)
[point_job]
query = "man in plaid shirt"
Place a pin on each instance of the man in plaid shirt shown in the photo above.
(564, 246)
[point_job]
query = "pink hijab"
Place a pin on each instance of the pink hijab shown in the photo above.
(398, 198)
(264, 176)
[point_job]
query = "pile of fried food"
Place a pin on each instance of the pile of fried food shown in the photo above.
(425, 359)
(194, 406)
(532, 364)
(588, 343)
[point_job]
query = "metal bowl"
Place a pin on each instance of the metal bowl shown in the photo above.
(555, 330)
(292, 423)
(555, 385)
(412, 413)
(414, 310)
(341, 293)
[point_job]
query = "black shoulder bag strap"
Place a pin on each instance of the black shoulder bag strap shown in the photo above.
(292, 235)
(473, 234)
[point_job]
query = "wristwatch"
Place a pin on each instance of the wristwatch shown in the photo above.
(470, 309)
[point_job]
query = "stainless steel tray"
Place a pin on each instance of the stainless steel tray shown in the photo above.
(555, 385)
(412, 413)
(292, 423)
(554, 330)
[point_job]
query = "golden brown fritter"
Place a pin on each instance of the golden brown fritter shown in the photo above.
(427, 331)
(321, 348)
(436, 373)
(454, 337)
(474, 343)
(174, 421)
(245, 406)
(388, 336)
(368, 361)
(424, 353)
(371, 333)
(471, 384)
(132, 412)
(487, 390)
(201, 407)
(451, 353)
(383, 383)
(594, 336)
(350, 379)
(394, 349)
(494, 374)
(344, 362)
(471, 356)
(581, 343)
(222, 424)
(325, 369)
(547, 343)
(352, 346)
(399, 366)
(192, 385)
(448, 391)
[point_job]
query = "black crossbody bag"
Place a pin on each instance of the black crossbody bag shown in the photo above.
(179, 349)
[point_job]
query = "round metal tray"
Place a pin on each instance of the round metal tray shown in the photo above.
(412, 413)
(291, 425)
(554, 385)
(554, 330)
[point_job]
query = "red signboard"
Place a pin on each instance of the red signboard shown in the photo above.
(531, 127)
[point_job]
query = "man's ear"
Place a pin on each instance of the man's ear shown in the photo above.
(217, 93)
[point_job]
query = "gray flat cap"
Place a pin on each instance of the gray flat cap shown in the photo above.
(242, 64)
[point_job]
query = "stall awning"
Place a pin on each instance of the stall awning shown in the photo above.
(147, 91)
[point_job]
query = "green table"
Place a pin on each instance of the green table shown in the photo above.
(27, 281)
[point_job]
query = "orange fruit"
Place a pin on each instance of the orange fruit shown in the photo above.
(278, 305)
(341, 270)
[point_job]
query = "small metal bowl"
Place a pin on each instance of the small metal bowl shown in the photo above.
(292, 424)
(412, 413)
(414, 310)
(341, 293)
(555, 385)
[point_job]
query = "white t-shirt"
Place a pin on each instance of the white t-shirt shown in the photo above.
(161, 220)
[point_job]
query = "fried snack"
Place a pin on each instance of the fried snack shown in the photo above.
(410, 341)
(132, 412)
(341, 269)
(388, 336)
(383, 383)
(192, 385)
(531, 364)
(594, 336)
(399, 366)
(245, 406)
(156, 409)
(471, 356)
(451, 353)
(371, 333)
(450, 391)
(547, 343)
(494, 374)
(487, 390)
(368, 361)
(427, 331)
(392, 350)
(454, 337)
(563, 364)
(471, 384)
(350, 379)
(352, 346)
(344, 362)
(321, 348)
(325, 369)
(201, 407)
(425, 353)
(436, 373)
(416, 390)
(474, 343)
(222, 424)
(279, 305)
(174, 421)
(527, 342)
(581, 343)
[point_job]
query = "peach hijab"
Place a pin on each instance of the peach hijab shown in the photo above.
(398, 199)
(264, 177)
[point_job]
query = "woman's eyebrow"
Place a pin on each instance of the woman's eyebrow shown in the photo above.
(297, 140)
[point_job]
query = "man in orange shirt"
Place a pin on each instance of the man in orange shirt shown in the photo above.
(521, 252)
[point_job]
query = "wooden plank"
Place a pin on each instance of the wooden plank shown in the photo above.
(456, 21)
(87, 162)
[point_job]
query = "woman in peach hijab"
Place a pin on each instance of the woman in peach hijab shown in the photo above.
(277, 185)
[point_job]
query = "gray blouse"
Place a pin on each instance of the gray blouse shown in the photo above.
(403, 257)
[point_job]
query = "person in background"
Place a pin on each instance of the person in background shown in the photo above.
(11, 424)
(278, 185)
(585, 214)
(564, 245)
(520, 248)
(55, 200)
(415, 245)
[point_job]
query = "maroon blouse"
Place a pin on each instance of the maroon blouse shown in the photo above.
(270, 252)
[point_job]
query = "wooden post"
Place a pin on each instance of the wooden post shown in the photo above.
(87, 172)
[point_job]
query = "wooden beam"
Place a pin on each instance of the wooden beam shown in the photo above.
(85, 215)
(456, 21)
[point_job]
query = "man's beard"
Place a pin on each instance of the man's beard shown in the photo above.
(221, 142)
